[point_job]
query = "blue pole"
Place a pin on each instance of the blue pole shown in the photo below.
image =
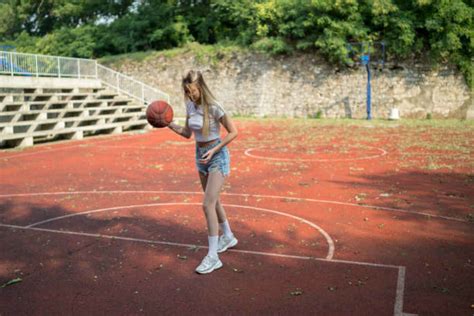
(365, 61)
(369, 110)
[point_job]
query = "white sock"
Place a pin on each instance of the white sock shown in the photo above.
(213, 243)
(225, 227)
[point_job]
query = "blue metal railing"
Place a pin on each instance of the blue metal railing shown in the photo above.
(21, 64)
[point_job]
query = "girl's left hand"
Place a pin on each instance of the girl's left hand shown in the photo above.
(207, 156)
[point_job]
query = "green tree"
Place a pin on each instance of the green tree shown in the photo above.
(39, 18)
(7, 20)
(440, 29)
(73, 42)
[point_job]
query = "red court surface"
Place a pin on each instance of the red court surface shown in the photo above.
(331, 220)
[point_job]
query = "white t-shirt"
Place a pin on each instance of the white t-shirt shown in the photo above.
(195, 120)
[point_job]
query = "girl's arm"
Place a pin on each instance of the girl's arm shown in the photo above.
(184, 131)
(226, 121)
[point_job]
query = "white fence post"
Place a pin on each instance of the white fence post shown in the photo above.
(79, 68)
(36, 62)
(11, 63)
(59, 68)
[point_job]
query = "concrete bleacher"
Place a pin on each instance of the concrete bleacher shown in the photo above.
(34, 110)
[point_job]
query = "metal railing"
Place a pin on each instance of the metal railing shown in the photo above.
(34, 65)
(21, 64)
(128, 85)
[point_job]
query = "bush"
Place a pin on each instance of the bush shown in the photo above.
(274, 46)
(317, 115)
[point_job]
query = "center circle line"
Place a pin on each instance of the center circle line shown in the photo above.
(330, 242)
(374, 207)
(247, 153)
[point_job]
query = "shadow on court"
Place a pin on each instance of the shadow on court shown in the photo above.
(63, 273)
(437, 193)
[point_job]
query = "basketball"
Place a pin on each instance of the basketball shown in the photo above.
(159, 114)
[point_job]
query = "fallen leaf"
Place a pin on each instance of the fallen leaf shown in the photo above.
(11, 282)
(296, 292)
(470, 217)
(193, 248)
(159, 167)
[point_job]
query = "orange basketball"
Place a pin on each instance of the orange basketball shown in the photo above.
(159, 114)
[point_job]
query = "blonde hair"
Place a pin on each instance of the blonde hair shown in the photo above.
(207, 98)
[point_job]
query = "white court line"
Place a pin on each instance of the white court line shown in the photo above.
(328, 238)
(382, 208)
(166, 143)
(82, 144)
(383, 153)
(271, 254)
(398, 306)
(130, 147)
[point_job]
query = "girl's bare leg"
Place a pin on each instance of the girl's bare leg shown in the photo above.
(221, 215)
(214, 183)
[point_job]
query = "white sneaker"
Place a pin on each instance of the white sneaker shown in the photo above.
(208, 265)
(226, 243)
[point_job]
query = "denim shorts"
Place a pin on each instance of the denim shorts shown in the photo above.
(220, 161)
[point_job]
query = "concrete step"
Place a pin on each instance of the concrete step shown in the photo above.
(7, 108)
(66, 120)
(29, 139)
(29, 97)
(31, 116)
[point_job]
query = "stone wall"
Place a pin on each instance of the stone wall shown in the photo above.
(301, 86)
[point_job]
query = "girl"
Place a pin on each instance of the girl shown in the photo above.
(203, 118)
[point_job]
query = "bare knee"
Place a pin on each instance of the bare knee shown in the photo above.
(209, 205)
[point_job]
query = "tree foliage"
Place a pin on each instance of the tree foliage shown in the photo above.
(443, 29)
